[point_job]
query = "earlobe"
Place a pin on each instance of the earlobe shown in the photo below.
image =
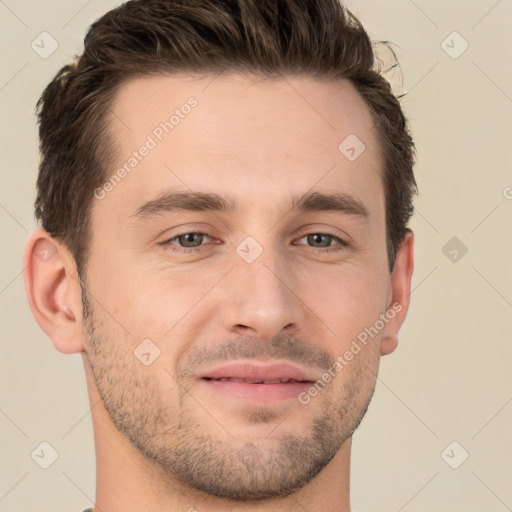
(53, 290)
(388, 345)
(399, 294)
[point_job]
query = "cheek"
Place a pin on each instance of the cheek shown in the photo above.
(145, 301)
(168, 308)
(167, 297)
(348, 299)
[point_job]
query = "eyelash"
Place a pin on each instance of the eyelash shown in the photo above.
(191, 250)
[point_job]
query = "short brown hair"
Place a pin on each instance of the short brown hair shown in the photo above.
(315, 38)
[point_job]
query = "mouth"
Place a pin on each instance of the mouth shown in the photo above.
(258, 383)
(254, 381)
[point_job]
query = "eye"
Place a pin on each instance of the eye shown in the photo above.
(192, 240)
(324, 240)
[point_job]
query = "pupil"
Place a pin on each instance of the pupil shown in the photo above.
(190, 238)
(318, 239)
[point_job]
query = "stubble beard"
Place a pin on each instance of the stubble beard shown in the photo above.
(181, 443)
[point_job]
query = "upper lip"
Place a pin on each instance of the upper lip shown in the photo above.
(252, 372)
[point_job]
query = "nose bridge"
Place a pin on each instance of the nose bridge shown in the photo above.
(259, 294)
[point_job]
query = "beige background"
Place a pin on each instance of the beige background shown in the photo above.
(450, 379)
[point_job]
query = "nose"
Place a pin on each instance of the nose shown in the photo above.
(261, 300)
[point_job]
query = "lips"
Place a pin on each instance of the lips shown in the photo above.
(250, 373)
(260, 384)
(256, 381)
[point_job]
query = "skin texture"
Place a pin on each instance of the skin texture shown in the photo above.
(165, 440)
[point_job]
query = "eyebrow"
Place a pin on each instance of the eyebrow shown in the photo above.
(338, 202)
(171, 201)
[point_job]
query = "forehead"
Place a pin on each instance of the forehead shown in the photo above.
(258, 138)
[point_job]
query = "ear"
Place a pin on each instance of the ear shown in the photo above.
(53, 290)
(399, 293)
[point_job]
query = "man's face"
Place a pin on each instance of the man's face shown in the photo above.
(233, 301)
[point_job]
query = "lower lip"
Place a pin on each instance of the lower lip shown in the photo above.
(261, 393)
